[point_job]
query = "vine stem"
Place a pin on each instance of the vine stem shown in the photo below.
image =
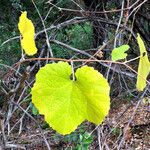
(84, 60)
(68, 60)
(76, 60)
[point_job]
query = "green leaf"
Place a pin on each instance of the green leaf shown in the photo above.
(34, 111)
(66, 103)
(144, 66)
(119, 52)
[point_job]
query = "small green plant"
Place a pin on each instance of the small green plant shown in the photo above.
(78, 140)
(34, 109)
(85, 141)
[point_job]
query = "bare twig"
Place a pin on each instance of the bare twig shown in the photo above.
(45, 140)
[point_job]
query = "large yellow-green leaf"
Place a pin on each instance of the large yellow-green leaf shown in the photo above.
(27, 31)
(66, 103)
(144, 66)
(119, 52)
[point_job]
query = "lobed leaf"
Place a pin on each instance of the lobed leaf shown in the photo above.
(119, 52)
(66, 103)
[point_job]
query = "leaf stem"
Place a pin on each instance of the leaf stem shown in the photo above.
(73, 73)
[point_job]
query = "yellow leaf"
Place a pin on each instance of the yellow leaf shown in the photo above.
(144, 66)
(27, 31)
(66, 103)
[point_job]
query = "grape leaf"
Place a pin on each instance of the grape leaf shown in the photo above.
(144, 66)
(27, 31)
(66, 103)
(119, 52)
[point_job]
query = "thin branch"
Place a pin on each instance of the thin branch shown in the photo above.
(47, 39)
(45, 140)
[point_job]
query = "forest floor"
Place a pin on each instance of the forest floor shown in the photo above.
(127, 126)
